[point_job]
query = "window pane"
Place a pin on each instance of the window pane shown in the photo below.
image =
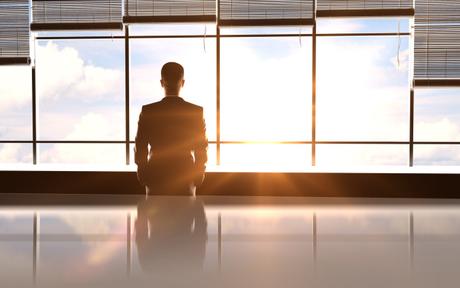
(363, 93)
(437, 115)
(437, 155)
(197, 56)
(266, 89)
(12, 153)
(173, 29)
(362, 25)
(341, 155)
(265, 157)
(80, 88)
(82, 154)
(15, 103)
(265, 30)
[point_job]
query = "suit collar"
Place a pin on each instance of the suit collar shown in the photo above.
(172, 98)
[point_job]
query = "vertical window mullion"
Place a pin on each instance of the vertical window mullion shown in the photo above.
(313, 98)
(127, 98)
(218, 84)
(34, 117)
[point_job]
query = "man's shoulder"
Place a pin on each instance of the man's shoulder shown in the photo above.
(151, 106)
(193, 106)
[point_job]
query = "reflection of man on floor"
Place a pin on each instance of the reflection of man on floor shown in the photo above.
(174, 129)
(171, 235)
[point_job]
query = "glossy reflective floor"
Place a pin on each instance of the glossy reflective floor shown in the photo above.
(108, 241)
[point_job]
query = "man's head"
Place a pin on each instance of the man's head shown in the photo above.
(172, 78)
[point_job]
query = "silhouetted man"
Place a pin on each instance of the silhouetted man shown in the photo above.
(176, 133)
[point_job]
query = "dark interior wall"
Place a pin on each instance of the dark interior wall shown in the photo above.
(382, 185)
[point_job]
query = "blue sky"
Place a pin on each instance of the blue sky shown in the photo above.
(363, 95)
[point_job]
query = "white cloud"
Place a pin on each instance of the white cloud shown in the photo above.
(437, 129)
(442, 155)
(9, 153)
(14, 153)
(15, 87)
(91, 126)
(62, 73)
(443, 129)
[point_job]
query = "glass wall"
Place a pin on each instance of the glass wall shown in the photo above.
(255, 83)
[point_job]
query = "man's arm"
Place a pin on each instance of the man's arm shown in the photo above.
(141, 148)
(200, 150)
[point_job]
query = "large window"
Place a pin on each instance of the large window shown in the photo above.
(265, 100)
(80, 94)
(266, 89)
(362, 90)
(255, 83)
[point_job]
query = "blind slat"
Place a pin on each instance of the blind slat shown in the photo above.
(357, 8)
(72, 14)
(14, 32)
(437, 40)
(170, 10)
(265, 11)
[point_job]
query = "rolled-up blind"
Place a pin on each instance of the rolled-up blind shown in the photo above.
(437, 43)
(14, 32)
(364, 8)
(76, 14)
(142, 11)
(266, 12)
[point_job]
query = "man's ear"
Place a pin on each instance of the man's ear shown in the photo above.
(183, 82)
(162, 83)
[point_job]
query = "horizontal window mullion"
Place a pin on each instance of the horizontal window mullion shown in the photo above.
(377, 34)
(238, 142)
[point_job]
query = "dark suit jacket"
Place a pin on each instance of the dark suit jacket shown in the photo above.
(175, 130)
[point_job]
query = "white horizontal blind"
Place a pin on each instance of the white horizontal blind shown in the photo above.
(76, 14)
(437, 40)
(14, 32)
(352, 8)
(266, 12)
(169, 10)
